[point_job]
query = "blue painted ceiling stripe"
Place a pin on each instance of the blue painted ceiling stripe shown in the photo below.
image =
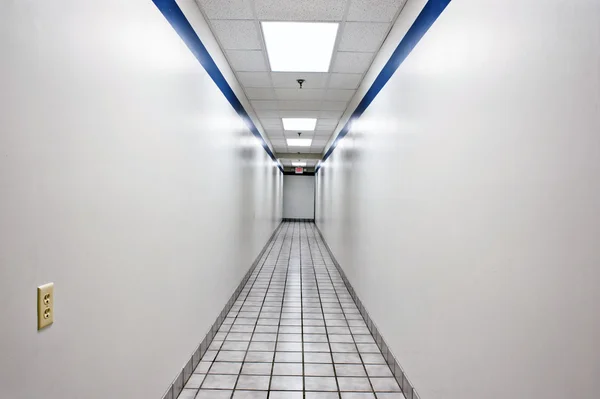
(428, 15)
(179, 22)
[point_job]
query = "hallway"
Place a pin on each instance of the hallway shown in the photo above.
(300, 199)
(294, 332)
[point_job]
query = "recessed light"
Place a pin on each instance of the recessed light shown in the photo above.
(299, 46)
(299, 123)
(299, 142)
(298, 163)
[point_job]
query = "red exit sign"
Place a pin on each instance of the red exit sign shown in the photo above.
(299, 170)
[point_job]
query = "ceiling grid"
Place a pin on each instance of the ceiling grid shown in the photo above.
(363, 26)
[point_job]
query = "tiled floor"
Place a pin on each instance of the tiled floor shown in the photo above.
(294, 332)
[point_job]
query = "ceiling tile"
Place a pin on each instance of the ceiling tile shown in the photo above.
(324, 124)
(254, 79)
(297, 148)
(237, 35)
(299, 94)
(339, 95)
(247, 60)
(266, 113)
(363, 36)
(363, 10)
(331, 114)
(258, 93)
(264, 104)
(313, 80)
(324, 96)
(293, 134)
(271, 123)
(300, 10)
(278, 140)
(280, 148)
(334, 105)
(275, 132)
(299, 114)
(352, 62)
(299, 105)
(345, 80)
(227, 9)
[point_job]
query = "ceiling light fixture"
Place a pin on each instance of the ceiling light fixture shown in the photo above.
(299, 142)
(299, 164)
(299, 46)
(299, 123)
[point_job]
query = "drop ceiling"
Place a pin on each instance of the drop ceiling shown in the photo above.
(363, 26)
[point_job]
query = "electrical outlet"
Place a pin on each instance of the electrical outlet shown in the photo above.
(45, 296)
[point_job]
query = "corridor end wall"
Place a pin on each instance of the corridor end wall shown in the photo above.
(298, 197)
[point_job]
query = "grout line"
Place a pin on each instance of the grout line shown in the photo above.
(322, 286)
(302, 313)
(173, 391)
(398, 373)
(325, 322)
(233, 323)
(257, 317)
(282, 304)
(351, 333)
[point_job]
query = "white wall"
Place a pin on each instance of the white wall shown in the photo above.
(129, 181)
(298, 197)
(465, 204)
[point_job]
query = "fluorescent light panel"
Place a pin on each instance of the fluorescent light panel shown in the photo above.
(299, 46)
(299, 142)
(299, 164)
(305, 124)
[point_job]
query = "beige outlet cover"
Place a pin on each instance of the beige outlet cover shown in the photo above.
(45, 297)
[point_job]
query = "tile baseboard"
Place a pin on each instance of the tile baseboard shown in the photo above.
(179, 382)
(298, 220)
(407, 387)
